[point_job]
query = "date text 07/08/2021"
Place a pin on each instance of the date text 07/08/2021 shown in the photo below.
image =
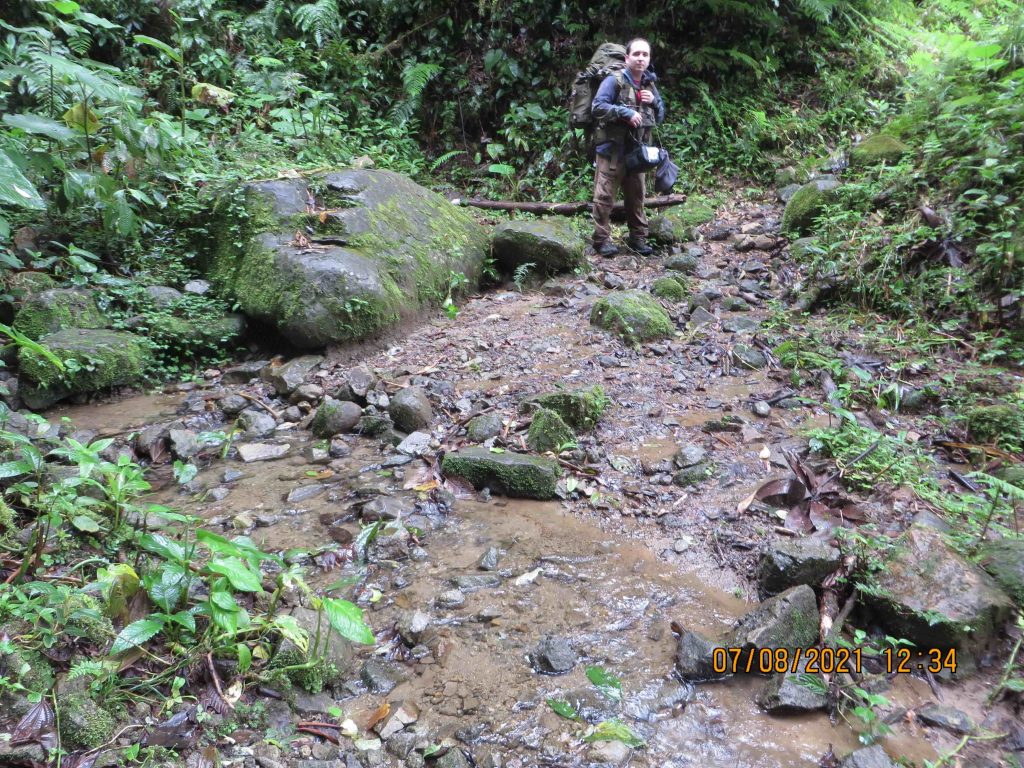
(765, 661)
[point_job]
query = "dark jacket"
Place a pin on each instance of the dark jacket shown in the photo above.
(613, 106)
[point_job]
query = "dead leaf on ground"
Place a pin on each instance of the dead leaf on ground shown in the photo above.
(36, 723)
(382, 711)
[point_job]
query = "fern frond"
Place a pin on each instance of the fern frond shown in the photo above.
(445, 158)
(1009, 489)
(819, 10)
(85, 667)
(319, 19)
(415, 78)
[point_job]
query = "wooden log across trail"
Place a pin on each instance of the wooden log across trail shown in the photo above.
(564, 209)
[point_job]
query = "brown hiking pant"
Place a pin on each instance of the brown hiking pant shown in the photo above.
(608, 177)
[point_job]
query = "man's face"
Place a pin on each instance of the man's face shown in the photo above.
(638, 58)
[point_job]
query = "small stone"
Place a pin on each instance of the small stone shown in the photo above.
(748, 357)
(612, 280)
(305, 492)
(414, 627)
(255, 422)
(243, 373)
(360, 381)
(484, 427)
(335, 417)
(231, 475)
(309, 393)
(450, 599)
(700, 317)
(740, 324)
(232, 404)
(735, 304)
(184, 443)
(945, 717)
(475, 581)
(761, 408)
(287, 377)
(410, 409)
(608, 753)
(250, 452)
(489, 559)
(416, 444)
(242, 522)
(869, 757)
(693, 475)
(386, 508)
(689, 454)
(695, 658)
(553, 656)
(339, 449)
(198, 287)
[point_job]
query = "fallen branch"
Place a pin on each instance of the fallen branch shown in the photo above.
(564, 209)
(261, 404)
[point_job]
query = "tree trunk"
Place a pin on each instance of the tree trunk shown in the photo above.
(563, 209)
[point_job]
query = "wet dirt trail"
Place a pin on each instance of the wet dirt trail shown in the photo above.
(608, 569)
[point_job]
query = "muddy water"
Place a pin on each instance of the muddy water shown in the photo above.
(612, 599)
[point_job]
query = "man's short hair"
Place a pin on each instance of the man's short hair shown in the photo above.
(629, 45)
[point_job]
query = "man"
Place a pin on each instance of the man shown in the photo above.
(626, 106)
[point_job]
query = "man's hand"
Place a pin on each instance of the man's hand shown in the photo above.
(646, 97)
(636, 120)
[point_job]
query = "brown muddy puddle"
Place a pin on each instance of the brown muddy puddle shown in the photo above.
(611, 598)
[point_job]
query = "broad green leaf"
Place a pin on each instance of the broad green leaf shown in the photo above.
(119, 582)
(135, 634)
(564, 709)
(223, 600)
(82, 118)
(96, 21)
(615, 730)
(15, 189)
(184, 619)
(167, 586)
(240, 547)
(226, 620)
(160, 45)
(14, 468)
(206, 93)
(42, 126)
(244, 657)
(67, 7)
(1015, 684)
(290, 630)
(238, 573)
(609, 685)
(85, 523)
(159, 544)
(347, 620)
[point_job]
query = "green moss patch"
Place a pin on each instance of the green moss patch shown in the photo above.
(806, 204)
(580, 409)
(511, 474)
(999, 424)
(55, 310)
(548, 432)
(669, 288)
(634, 315)
(876, 149)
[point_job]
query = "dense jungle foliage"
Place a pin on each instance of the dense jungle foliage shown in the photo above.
(121, 118)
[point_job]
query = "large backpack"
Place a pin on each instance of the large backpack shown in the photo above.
(608, 59)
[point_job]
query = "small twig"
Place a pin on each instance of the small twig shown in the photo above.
(784, 395)
(317, 724)
(844, 614)
(577, 468)
(932, 684)
(261, 404)
(785, 531)
(216, 680)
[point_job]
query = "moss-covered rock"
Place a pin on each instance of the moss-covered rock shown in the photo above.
(806, 204)
(484, 427)
(57, 309)
(677, 223)
(876, 149)
(788, 620)
(384, 249)
(334, 417)
(790, 175)
(684, 263)
(693, 475)
(101, 359)
(87, 620)
(634, 315)
(1004, 562)
(999, 424)
(511, 474)
(670, 288)
(804, 248)
(21, 284)
(548, 432)
(580, 409)
(930, 595)
(169, 330)
(552, 245)
(83, 723)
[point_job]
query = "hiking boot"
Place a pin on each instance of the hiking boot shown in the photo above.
(606, 249)
(640, 247)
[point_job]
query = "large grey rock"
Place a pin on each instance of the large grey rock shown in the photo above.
(553, 656)
(695, 658)
(869, 757)
(929, 594)
(784, 693)
(255, 422)
(107, 358)
(287, 377)
(1004, 562)
(383, 250)
(790, 562)
(163, 296)
(511, 474)
(788, 620)
(250, 452)
(410, 409)
(551, 245)
(484, 427)
(334, 417)
(806, 203)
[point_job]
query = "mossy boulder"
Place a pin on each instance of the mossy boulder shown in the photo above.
(83, 723)
(670, 288)
(22, 284)
(1000, 424)
(552, 245)
(790, 175)
(930, 595)
(580, 409)
(334, 417)
(510, 474)
(1004, 562)
(876, 149)
(54, 310)
(212, 333)
(548, 432)
(634, 315)
(806, 204)
(677, 223)
(788, 620)
(101, 358)
(382, 249)
(804, 248)
(484, 427)
(790, 562)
